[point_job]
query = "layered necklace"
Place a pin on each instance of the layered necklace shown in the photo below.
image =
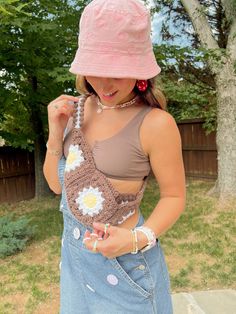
(102, 107)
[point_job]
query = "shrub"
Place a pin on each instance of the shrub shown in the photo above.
(14, 234)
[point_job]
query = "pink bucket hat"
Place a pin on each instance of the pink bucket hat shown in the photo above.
(114, 41)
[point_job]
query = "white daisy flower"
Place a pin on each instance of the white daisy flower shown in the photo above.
(90, 201)
(74, 158)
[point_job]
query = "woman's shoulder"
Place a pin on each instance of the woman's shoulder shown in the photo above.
(158, 127)
(158, 120)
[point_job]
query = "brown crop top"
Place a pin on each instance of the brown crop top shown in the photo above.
(131, 163)
(90, 194)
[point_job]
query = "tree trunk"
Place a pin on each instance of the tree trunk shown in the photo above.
(222, 67)
(226, 130)
(41, 186)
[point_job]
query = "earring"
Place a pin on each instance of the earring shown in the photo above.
(142, 85)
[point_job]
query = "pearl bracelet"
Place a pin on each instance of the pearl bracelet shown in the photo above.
(149, 233)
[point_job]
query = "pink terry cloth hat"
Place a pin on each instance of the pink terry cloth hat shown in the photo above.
(115, 42)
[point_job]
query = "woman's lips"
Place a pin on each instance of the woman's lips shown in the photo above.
(109, 96)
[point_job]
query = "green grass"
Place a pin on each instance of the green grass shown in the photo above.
(30, 279)
(199, 249)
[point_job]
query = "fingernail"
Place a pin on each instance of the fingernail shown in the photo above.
(94, 234)
(85, 239)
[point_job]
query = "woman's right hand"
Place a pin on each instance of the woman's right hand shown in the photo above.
(59, 112)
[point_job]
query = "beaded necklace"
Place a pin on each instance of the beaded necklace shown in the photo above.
(102, 107)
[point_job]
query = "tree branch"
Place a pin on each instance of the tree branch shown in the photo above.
(196, 13)
(230, 9)
(204, 78)
(231, 46)
(230, 13)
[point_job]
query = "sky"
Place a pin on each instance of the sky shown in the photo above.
(156, 23)
(158, 18)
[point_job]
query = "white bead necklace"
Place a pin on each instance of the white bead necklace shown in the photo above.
(102, 107)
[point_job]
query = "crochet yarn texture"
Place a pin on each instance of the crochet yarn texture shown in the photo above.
(90, 194)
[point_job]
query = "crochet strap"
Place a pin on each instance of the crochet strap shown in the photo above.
(78, 116)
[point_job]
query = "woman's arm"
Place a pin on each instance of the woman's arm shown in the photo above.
(59, 112)
(165, 152)
(161, 140)
(50, 167)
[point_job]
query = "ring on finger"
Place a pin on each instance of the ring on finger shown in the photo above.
(71, 102)
(106, 227)
(95, 246)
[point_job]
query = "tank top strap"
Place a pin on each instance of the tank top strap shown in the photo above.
(135, 123)
(140, 116)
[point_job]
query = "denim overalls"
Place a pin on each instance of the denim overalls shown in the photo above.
(93, 284)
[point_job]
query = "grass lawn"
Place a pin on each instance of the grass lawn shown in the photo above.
(199, 250)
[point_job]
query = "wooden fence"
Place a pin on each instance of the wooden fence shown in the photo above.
(16, 175)
(199, 150)
(17, 166)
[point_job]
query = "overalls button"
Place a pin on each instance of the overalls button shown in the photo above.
(112, 279)
(141, 267)
(76, 233)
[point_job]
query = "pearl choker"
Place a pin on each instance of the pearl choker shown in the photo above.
(102, 107)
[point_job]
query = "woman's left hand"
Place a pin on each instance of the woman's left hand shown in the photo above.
(117, 241)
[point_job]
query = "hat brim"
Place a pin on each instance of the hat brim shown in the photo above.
(141, 67)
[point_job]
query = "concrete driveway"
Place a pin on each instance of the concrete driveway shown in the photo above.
(205, 302)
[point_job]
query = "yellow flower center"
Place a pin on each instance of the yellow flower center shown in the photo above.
(90, 200)
(71, 158)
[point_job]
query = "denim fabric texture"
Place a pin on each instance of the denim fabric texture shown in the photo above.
(93, 284)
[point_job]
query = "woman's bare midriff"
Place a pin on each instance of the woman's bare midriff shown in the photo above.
(128, 187)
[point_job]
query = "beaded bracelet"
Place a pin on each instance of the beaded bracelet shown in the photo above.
(54, 152)
(149, 233)
(135, 242)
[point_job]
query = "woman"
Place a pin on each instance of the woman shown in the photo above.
(100, 151)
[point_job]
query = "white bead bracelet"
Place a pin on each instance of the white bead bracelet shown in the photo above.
(149, 233)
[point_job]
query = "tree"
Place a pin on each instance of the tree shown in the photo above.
(214, 22)
(188, 97)
(10, 8)
(185, 78)
(222, 63)
(36, 51)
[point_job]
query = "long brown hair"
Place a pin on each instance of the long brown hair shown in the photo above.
(153, 96)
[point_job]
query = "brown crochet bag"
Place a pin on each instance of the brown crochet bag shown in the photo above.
(90, 195)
